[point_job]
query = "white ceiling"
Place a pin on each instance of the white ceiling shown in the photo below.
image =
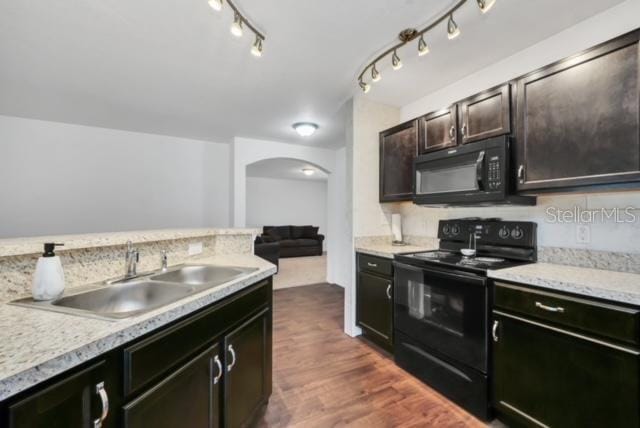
(171, 67)
(289, 169)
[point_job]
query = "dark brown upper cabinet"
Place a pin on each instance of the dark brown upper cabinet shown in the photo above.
(485, 115)
(578, 120)
(438, 130)
(398, 149)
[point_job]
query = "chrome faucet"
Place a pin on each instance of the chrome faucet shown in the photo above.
(164, 260)
(132, 259)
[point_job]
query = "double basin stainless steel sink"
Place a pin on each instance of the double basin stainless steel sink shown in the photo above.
(130, 297)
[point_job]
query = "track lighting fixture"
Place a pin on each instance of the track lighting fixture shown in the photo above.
(453, 30)
(236, 27)
(256, 49)
(239, 21)
(485, 5)
(216, 5)
(396, 63)
(423, 48)
(375, 74)
(411, 34)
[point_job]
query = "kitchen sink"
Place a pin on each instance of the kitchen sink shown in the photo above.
(124, 298)
(202, 276)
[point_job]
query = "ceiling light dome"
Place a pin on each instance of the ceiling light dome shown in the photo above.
(305, 129)
(308, 171)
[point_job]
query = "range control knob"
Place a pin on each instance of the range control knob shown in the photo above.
(517, 233)
(446, 229)
(504, 232)
(455, 229)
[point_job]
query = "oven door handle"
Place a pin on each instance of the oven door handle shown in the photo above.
(468, 276)
(480, 170)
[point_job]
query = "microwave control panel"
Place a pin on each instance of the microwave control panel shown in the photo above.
(495, 173)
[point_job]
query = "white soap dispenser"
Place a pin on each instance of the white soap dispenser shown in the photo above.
(48, 281)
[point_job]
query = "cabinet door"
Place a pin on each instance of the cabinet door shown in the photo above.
(486, 115)
(545, 376)
(578, 120)
(438, 130)
(190, 396)
(374, 307)
(74, 402)
(248, 370)
(398, 149)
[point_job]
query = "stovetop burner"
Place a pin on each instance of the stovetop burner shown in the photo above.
(455, 259)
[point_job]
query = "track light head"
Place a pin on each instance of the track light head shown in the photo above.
(396, 64)
(216, 5)
(453, 30)
(364, 86)
(256, 49)
(236, 27)
(375, 74)
(485, 5)
(423, 48)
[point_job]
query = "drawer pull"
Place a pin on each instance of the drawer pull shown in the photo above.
(372, 264)
(104, 398)
(389, 291)
(558, 309)
(216, 379)
(233, 358)
(494, 330)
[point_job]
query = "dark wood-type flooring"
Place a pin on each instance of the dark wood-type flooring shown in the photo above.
(324, 378)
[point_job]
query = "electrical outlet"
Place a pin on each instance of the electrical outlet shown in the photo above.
(583, 234)
(195, 248)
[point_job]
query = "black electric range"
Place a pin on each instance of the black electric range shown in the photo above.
(441, 305)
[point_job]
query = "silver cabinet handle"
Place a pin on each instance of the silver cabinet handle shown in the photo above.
(521, 173)
(558, 309)
(372, 264)
(97, 423)
(494, 330)
(233, 358)
(216, 379)
(389, 291)
(463, 130)
(452, 132)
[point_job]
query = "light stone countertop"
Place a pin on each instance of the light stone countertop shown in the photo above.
(388, 250)
(33, 245)
(39, 344)
(620, 287)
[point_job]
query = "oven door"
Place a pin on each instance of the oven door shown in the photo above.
(444, 310)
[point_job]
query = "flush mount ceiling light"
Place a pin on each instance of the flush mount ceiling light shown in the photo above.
(305, 129)
(308, 171)
(410, 34)
(237, 26)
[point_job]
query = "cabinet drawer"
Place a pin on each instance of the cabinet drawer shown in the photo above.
(603, 319)
(147, 361)
(375, 264)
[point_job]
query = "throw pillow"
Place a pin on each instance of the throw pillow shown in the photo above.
(310, 232)
(297, 232)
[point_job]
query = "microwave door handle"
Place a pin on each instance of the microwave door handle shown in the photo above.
(479, 170)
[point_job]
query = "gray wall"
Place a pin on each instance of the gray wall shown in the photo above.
(58, 178)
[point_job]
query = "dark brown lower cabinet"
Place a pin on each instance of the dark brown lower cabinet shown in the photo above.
(72, 402)
(247, 381)
(549, 376)
(190, 396)
(374, 301)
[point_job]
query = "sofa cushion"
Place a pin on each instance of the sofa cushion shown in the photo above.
(310, 232)
(278, 232)
(289, 243)
(297, 232)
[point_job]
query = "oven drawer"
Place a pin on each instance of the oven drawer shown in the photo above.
(603, 319)
(373, 264)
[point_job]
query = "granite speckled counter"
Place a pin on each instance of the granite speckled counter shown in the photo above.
(39, 344)
(620, 287)
(388, 250)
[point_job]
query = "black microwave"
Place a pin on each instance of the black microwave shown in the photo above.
(473, 174)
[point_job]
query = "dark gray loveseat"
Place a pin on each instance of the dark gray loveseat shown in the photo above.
(295, 241)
